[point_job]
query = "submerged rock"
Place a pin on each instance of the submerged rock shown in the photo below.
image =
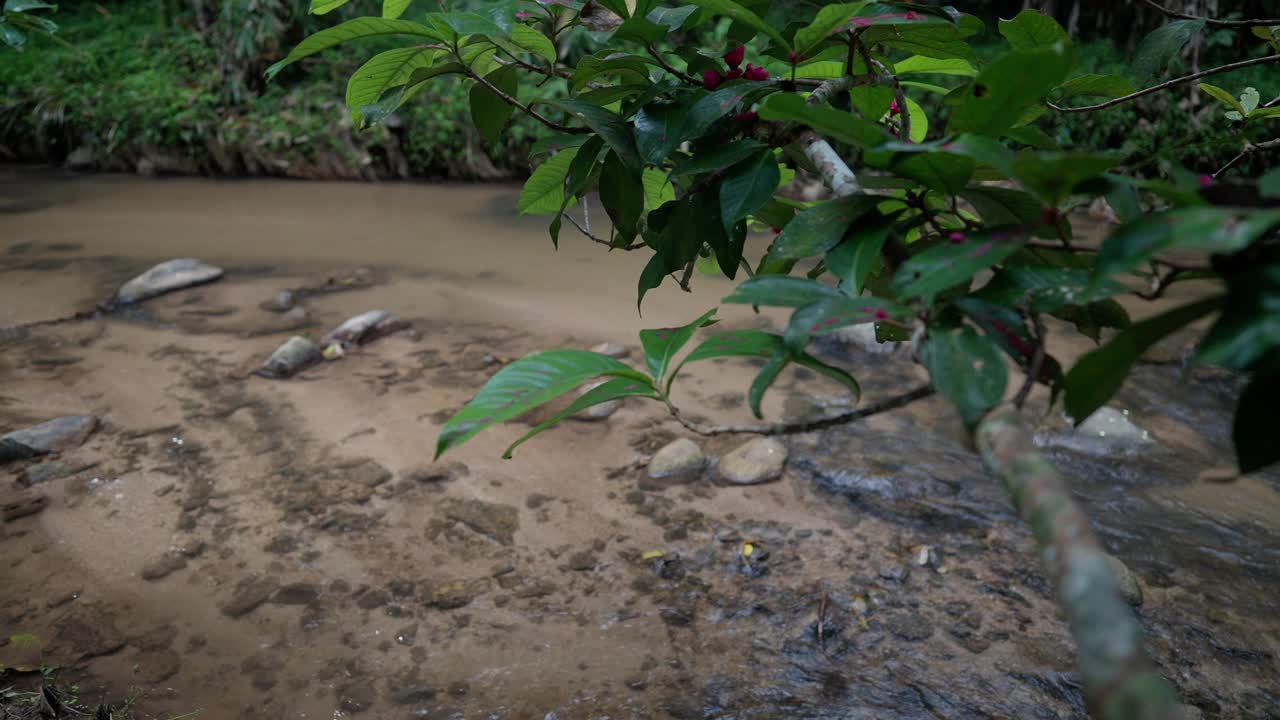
(678, 459)
(599, 411)
(361, 329)
(499, 522)
(1129, 586)
(283, 302)
(164, 566)
(1105, 431)
(613, 350)
(249, 594)
(296, 355)
(166, 277)
(757, 461)
(52, 436)
(22, 506)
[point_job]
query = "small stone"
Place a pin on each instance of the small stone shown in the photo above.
(163, 566)
(367, 472)
(436, 472)
(613, 350)
(296, 594)
(363, 328)
(413, 693)
(249, 594)
(55, 435)
(680, 458)
(895, 572)
(910, 626)
(534, 589)
(457, 593)
(356, 697)
(583, 561)
(1129, 587)
(282, 544)
(23, 506)
(499, 522)
(407, 635)
(284, 301)
(166, 277)
(756, 461)
(44, 472)
(294, 356)
(372, 600)
(599, 411)
(1219, 475)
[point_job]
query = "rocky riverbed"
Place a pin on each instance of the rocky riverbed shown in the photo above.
(264, 548)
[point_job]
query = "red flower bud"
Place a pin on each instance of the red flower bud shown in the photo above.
(797, 58)
(711, 79)
(1049, 216)
(746, 117)
(911, 16)
(734, 57)
(956, 236)
(734, 74)
(1206, 181)
(756, 74)
(894, 109)
(777, 230)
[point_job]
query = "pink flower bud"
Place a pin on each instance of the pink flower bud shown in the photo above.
(894, 109)
(911, 16)
(1206, 181)
(756, 74)
(734, 74)
(881, 314)
(711, 79)
(734, 57)
(524, 15)
(746, 117)
(956, 236)
(797, 58)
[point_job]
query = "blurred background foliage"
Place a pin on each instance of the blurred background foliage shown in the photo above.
(176, 86)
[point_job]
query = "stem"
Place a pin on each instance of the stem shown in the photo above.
(1249, 149)
(1211, 22)
(600, 240)
(688, 274)
(669, 67)
(1119, 680)
(525, 108)
(1165, 85)
(1034, 367)
(893, 403)
(834, 170)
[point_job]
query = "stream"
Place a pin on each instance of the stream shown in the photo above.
(244, 547)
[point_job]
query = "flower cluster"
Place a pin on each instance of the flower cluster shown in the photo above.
(712, 79)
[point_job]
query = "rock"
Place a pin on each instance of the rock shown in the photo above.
(454, 594)
(282, 544)
(82, 158)
(52, 436)
(499, 522)
(296, 594)
(361, 329)
(680, 459)
(23, 506)
(1128, 582)
(896, 572)
(367, 472)
(910, 626)
(156, 666)
(863, 337)
(164, 566)
(613, 350)
(756, 461)
(372, 600)
(407, 635)
(166, 277)
(283, 302)
(356, 697)
(436, 473)
(1106, 431)
(250, 593)
(599, 411)
(413, 693)
(1191, 712)
(52, 470)
(294, 356)
(583, 561)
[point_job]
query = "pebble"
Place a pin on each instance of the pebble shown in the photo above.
(1129, 587)
(284, 301)
(166, 277)
(680, 458)
(164, 566)
(249, 594)
(613, 350)
(294, 356)
(910, 626)
(296, 594)
(583, 561)
(23, 506)
(356, 697)
(499, 522)
(756, 461)
(55, 435)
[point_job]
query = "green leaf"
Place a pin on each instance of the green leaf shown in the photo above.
(1033, 30)
(318, 7)
(1000, 206)
(394, 8)
(1099, 374)
(748, 186)
(735, 343)
(1250, 324)
(533, 41)
(1225, 97)
(496, 20)
(1265, 113)
(1053, 175)
(1157, 49)
(999, 96)
(630, 68)
(1210, 229)
(741, 15)
(941, 171)
(828, 21)
(526, 384)
(393, 98)
(967, 369)
(356, 29)
(827, 121)
(1044, 288)
(641, 30)
(830, 314)
(1249, 100)
(780, 291)
(657, 188)
(834, 373)
(710, 109)
(12, 36)
(768, 374)
(672, 17)
(610, 126)
(622, 195)
(383, 72)
(663, 344)
(854, 259)
(615, 389)
(920, 64)
(658, 130)
(919, 121)
(1033, 136)
(683, 227)
(489, 112)
(1094, 85)
(718, 157)
(1253, 430)
(821, 227)
(952, 263)
(543, 192)
(1269, 183)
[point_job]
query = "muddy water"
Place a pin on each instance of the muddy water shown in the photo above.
(265, 549)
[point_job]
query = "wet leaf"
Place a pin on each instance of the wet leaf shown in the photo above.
(663, 344)
(952, 263)
(356, 29)
(614, 389)
(748, 186)
(780, 291)
(543, 192)
(967, 369)
(821, 227)
(1033, 30)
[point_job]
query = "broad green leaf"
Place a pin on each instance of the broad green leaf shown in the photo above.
(710, 109)
(734, 343)
(740, 14)
(1269, 183)
(821, 227)
(489, 112)
(927, 87)
(393, 98)
(835, 373)
(641, 30)
(1033, 136)
(952, 263)
(1000, 206)
(1002, 93)
(780, 291)
(829, 20)
(1265, 113)
(1157, 49)
(858, 255)
(615, 389)
(678, 231)
(356, 29)
(28, 5)
(941, 171)
(1249, 327)
(766, 377)
(748, 186)
(610, 126)
(526, 384)
(318, 7)
(1225, 97)
(533, 41)
(1002, 324)
(1210, 229)
(657, 188)
(384, 71)
(1033, 30)
(663, 344)
(920, 64)
(1053, 175)
(1098, 375)
(394, 8)
(1045, 288)
(830, 314)
(827, 121)
(495, 20)
(1094, 85)
(1249, 100)
(622, 194)
(543, 192)
(658, 130)
(1091, 319)
(628, 68)
(672, 17)
(967, 369)
(919, 121)
(718, 158)
(1253, 429)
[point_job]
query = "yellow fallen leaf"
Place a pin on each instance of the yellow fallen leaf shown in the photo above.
(653, 554)
(748, 549)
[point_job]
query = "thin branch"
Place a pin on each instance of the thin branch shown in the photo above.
(1211, 22)
(803, 426)
(671, 68)
(549, 72)
(573, 221)
(834, 170)
(1033, 369)
(525, 108)
(688, 274)
(1249, 149)
(1174, 264)
(1168, 84)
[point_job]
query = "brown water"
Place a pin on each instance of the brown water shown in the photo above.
(308, 485)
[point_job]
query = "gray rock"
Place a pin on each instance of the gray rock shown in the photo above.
(363, 328)
(296, 594)
(583, 561)
(166, 277)
(1129, 587)
(613, 350)
(59, 434)
(910, 626)
(82, 158)
(44, 472)
(681, 458)
(1106, 431)
(250, 593)
(599, 412)
(164, 566)
(23, 506)
(284, 301)
(436, 472)
(499, 522)
(863, 337)
(756, 461)
(356, 697)
(296, 355)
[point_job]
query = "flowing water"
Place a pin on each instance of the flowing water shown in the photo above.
(256, 548)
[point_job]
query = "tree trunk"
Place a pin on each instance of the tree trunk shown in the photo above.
(1120, 682)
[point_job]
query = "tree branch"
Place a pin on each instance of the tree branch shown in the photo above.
(1034, 367)
(1249, 149)
(1211, 22)
(803, 426)
(671, 68)
(1165, 85)
(600, 240)
(1119, 680)
(525, 108)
